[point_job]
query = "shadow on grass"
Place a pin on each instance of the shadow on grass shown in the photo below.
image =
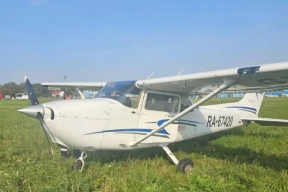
(201, 146)
(259, 134)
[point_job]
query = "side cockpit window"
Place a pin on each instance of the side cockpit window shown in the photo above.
(185, 103)
(161, 102)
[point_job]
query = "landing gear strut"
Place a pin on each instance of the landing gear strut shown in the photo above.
(76, 153)
(185, 165)
(79, 163)
(63, 150)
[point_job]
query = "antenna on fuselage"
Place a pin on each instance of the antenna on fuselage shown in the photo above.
(180, 71)
(150, 75)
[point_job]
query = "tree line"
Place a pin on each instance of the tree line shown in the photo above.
(11, 88)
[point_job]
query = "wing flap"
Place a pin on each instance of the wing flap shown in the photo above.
(267, 121)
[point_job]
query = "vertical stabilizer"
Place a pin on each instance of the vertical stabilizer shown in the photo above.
(248, 106)
(250, 103)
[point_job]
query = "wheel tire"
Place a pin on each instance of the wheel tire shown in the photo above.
(185, 165)
(78, 164)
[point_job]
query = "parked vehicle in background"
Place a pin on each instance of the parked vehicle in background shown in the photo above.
(18, 95)
(21, 96)
(25, 96)
(7, 97)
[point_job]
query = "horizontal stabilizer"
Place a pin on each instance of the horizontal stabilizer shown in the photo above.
(267, 121)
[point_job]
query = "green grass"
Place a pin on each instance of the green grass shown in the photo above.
(252, 158)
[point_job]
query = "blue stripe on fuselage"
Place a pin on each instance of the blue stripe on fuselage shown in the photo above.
(247, 108)
(130, 130)
(160, 122)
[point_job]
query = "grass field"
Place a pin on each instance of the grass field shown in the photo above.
(252, 158)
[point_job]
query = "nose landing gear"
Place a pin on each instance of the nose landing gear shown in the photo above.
(79, 163)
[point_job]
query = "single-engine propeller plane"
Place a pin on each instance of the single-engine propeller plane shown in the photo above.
(126, 115)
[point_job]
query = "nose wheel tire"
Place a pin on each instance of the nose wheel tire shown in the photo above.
(185, 165)
(78, 165)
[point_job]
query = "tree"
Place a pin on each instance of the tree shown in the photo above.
(9, 88)
(41, 91)
(22, 88)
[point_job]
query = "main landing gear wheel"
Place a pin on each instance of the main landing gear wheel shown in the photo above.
(185, 165)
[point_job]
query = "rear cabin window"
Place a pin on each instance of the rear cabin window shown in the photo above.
(160, 102)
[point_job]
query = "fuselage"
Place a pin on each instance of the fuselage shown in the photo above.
(95, 124)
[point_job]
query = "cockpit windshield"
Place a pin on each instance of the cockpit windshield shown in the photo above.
(124, 92)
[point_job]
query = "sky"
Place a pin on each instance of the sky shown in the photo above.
(108, 40)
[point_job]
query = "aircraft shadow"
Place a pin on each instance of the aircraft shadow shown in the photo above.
(201, 146)
(264, 135)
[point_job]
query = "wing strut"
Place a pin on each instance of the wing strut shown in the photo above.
(81, 93)
(227, 83)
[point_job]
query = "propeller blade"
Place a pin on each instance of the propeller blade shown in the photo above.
(40, 118)
(32, 96)
(35, 111)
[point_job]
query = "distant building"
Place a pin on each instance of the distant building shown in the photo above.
(54, 88)
(277, 93)
(273, 94)
(285, 93)
(89, 93)
(225, 95)
(267, 94)
(57, 93)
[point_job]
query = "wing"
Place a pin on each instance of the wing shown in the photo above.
(247, 79)
(82, 85)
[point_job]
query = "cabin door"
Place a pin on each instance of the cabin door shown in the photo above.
(157, 108)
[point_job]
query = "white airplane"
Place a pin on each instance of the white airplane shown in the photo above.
(127, 115)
